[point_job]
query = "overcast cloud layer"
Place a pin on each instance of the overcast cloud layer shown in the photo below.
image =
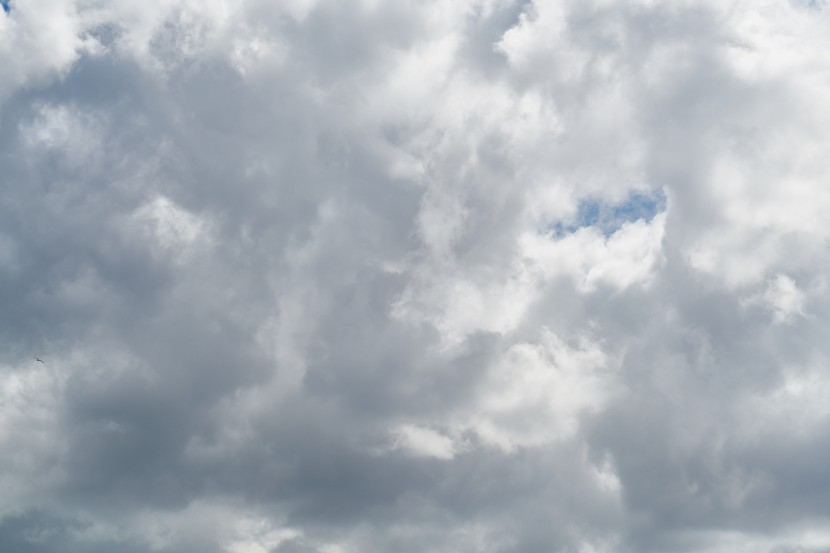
(326, 276)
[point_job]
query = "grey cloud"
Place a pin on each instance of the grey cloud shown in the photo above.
(292, 272)
(40, 532)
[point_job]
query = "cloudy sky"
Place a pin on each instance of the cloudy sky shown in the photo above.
(451, 276)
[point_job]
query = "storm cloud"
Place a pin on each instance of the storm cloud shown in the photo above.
(325, 276)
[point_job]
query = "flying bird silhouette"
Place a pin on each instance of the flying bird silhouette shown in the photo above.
(39, 360)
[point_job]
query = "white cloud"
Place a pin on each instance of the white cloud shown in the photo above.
(172, 226)
(537, 392)
(424, 441)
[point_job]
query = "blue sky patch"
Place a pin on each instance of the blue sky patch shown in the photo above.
(610, 217)
(5, 4)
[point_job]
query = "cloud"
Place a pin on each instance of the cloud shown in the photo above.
(487, 276)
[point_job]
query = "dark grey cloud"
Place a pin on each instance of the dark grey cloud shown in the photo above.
(367, 276)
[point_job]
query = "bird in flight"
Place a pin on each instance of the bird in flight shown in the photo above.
(39, 360)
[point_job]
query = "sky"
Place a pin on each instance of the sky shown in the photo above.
(446, 276)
